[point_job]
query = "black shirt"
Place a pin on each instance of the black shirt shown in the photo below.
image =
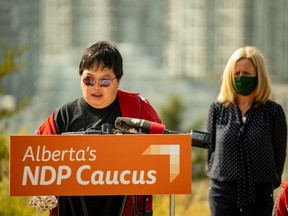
(251, 152)
(77, 116)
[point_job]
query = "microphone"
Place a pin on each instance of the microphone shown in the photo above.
(135, 125)
(199, 139)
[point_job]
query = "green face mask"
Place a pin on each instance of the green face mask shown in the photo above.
(245, 85)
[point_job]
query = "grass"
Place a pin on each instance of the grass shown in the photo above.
(186, 204)
(14, 206)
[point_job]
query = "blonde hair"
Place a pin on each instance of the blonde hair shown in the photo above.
(227, 94)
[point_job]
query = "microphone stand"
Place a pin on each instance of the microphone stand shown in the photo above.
(172, 205)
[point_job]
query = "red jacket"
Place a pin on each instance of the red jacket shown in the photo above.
(131, 105)
(282, 203)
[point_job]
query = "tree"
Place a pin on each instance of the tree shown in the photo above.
(8, 65)
(171, 113)
(172, 116)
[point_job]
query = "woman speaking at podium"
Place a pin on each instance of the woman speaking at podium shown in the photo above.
(100, 70)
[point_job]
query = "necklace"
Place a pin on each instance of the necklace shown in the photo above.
(243, 119)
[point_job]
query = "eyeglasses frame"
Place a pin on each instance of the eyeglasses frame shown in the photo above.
(92, 82)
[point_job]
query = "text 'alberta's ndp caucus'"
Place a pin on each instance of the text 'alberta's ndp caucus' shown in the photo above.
(100, 164)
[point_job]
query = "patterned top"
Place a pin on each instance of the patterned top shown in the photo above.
(249, 153)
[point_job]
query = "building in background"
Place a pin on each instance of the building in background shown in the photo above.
(19, 21)
(204, 33)
(169, 47)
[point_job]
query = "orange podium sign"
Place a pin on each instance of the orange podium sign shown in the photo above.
(100, 164)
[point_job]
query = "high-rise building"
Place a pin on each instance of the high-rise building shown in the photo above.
(204, 33)
(19, 20)
(166, 45)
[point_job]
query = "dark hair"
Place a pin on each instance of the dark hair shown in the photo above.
(102, 54)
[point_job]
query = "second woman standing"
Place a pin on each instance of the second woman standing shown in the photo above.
(249, 135)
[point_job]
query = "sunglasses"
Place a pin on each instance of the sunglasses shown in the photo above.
(102, 83)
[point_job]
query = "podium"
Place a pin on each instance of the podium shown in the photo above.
(127, 164)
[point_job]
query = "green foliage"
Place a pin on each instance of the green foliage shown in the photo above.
(195, 203)
(10, 205)
(4, 155)
(171, 113)
(199, 158)
(9, 64)
(3, 148)
(199, 124)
